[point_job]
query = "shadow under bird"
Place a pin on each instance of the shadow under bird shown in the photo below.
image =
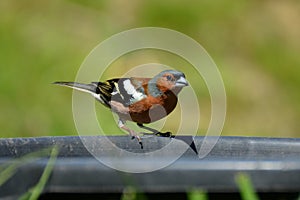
(141, 100)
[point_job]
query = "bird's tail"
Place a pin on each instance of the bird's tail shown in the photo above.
(89, 88)
(101, 91)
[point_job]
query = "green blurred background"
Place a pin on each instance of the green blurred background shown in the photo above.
(255, 44)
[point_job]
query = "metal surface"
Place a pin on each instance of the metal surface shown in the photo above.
(273, 164)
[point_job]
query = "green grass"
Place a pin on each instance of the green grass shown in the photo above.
(129, 193)
(245, 186)
(197, 194)
(8, 171)
(243, 182)
(34, 193)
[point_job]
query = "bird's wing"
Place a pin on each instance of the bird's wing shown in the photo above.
(105, 90)
(126, 91)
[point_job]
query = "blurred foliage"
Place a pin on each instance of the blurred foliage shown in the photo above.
(9, 169)
(197, 194)
(255, 44)
(246, 188)
(35, 192)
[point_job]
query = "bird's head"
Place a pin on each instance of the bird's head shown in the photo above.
(169, 80)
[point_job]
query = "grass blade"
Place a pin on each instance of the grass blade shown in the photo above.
(245, 186)
(38, 189)
(7, 173)
(8, 170)
(129, 193)
(197, 194)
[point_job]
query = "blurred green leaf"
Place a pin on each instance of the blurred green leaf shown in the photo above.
(129, 193)
(8, 170)
(197, 194)
(245, 186)
(35, 192)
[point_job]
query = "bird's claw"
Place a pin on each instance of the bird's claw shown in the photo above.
(138, 139)
(140, 142)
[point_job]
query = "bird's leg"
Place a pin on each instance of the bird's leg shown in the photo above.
(154, 131)
(132, 133)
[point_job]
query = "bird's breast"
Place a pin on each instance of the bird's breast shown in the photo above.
(152, 108)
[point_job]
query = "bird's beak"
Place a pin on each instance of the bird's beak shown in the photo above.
(181, 82)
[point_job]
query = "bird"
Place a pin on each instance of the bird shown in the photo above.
(137, 99)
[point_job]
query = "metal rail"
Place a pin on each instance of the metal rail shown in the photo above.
(272, 163)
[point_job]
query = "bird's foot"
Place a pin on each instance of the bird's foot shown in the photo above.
(134, 135)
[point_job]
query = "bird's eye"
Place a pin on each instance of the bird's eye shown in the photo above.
(169, 78)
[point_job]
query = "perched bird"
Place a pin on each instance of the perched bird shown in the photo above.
(141, 100)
